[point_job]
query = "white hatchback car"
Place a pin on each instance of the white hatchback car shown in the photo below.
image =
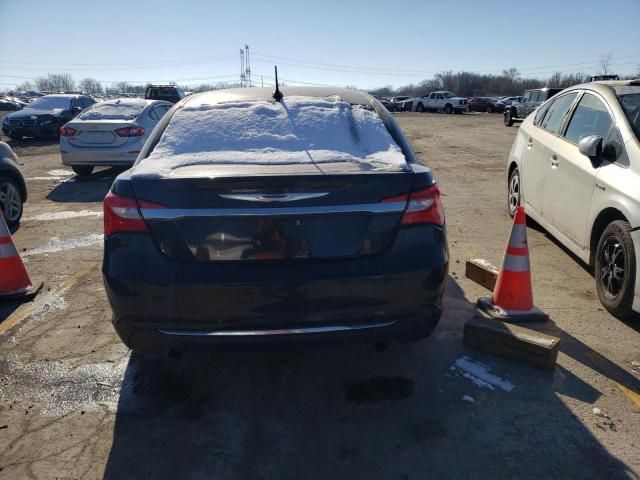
(109, 133)
(575, 165)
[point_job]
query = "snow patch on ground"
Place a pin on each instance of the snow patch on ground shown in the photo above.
(479, 374)
(55, 244)
(61, 172)
(294, 131)
(60, 387)
(64, 215)
(50, 304)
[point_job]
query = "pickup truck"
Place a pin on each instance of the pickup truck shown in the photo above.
(448, 102)
(531, 99)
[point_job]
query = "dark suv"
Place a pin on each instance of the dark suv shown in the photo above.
(531, 99)
(168, 93)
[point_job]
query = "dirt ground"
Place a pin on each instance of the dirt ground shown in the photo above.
(76, 404)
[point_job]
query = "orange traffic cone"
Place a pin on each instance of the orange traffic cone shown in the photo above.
(14, 280)
(512, 299)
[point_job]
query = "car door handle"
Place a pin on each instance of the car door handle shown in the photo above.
(530, 143)
(554, 161)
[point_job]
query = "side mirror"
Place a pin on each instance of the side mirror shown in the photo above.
(591, 146)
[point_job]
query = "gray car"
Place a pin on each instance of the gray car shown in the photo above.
(110, 133)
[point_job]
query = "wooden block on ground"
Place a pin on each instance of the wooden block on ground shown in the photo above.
(482, 272)
(511, 341)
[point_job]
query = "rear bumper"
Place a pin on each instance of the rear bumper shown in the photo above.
(159, 303)
(124, 155)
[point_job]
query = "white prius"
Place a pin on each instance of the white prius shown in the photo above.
(575, 165)
(109, 133)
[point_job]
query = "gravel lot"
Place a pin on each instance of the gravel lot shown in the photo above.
(76, 404)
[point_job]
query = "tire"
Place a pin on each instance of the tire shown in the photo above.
(615, 269)
(513, 191)
(448, 108)
(11, 201)
(82, 170)
(420, 108)
(508, 119)
(489, 109)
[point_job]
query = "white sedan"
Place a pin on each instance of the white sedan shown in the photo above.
(109, 133)
(575, 165)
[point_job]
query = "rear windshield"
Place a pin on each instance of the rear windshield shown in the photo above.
(52, 103)
(113, 111)
(163, 93)
(630, 101)
(296, 130)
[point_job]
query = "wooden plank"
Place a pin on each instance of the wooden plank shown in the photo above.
(482, 272)
(511, 341)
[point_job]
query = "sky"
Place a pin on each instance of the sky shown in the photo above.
(366, 44)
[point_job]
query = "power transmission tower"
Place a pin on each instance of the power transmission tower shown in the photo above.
(247, 71)
(242, 69)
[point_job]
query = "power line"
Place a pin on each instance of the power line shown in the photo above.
(400, 72)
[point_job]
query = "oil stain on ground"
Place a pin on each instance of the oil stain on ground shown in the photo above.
(377, 389)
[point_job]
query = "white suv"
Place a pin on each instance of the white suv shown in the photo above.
(575, 165)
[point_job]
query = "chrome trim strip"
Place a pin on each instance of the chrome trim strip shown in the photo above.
(286, 331)
(176, 213)
(273, 197)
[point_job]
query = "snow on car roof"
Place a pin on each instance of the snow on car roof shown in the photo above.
(297, 130)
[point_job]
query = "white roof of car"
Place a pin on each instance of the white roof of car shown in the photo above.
(259, 131)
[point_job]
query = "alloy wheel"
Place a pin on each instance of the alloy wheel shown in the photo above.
(514, 192)
(612, 270)
(11, 202)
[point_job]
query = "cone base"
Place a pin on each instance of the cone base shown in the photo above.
(512, 316)
(24, 296)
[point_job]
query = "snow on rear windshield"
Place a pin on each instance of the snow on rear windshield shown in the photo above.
(113, 111)
(296, 130)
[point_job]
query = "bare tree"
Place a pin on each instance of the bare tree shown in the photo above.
(122, 87)
(511, 74)
(90, 85)
(26, 86)
(605, 63)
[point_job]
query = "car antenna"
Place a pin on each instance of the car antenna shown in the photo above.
(277, 94)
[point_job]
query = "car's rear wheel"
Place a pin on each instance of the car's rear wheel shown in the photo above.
(82, 170)
(448, 108)
(513, 195)
(10, 200)
(615, 269)
(420, 108)
(508, 119)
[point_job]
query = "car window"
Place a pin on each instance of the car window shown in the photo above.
(432, 96)
(86, 102)
(439, 97)
(526, 97)
(540, 113)
(158, 111)
(536, 96)
(557, 113)
(590, 117)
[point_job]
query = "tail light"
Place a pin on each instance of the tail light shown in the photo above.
(67, 131)
(423, 206)
(130, 132)
(122, 214)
